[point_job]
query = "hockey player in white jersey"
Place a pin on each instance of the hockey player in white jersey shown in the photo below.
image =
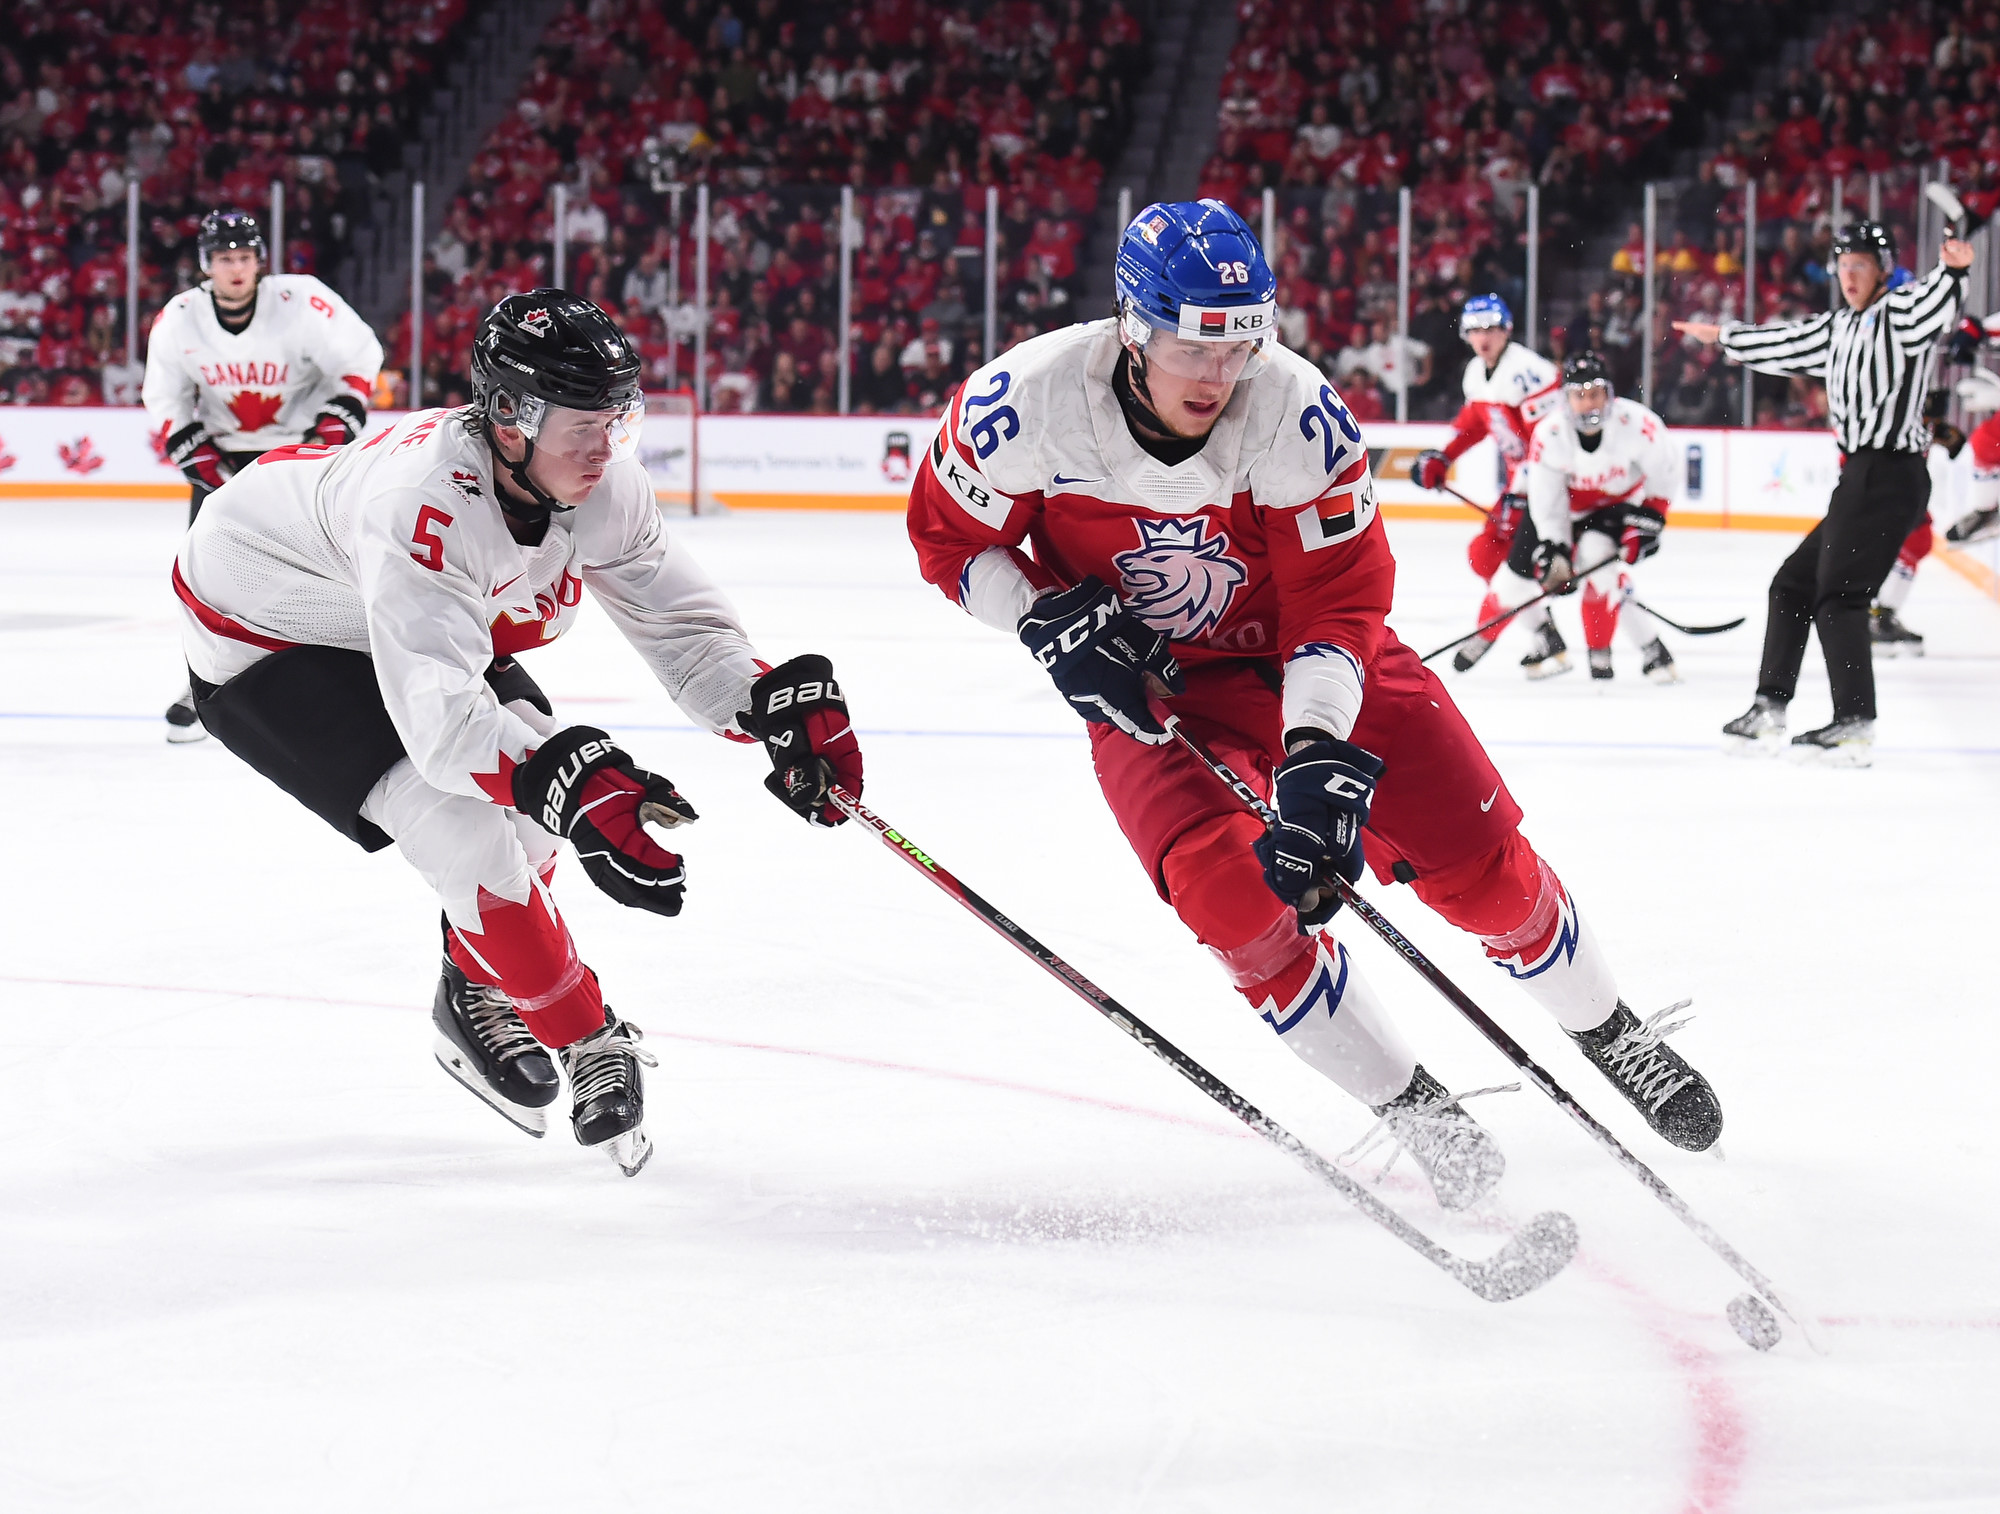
(247, 361)
(1507, 390)
(352, 619)
(1602, 475)
(1175, 515)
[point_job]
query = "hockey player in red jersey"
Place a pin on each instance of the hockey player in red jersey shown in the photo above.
(1175, 515)
(1507, 390)
(352, 617)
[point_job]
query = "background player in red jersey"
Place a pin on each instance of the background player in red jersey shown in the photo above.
(1175, 514)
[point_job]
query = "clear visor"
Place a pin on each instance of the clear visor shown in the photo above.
(596, 438)
(1484, 320)
(1588, 402)
(1204, 362)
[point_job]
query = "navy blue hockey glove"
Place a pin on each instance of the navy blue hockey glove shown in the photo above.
(1962, 346)
(1322, 793)
(1103, 658)
(580, 786)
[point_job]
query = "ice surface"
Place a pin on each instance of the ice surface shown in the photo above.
(922, 1232)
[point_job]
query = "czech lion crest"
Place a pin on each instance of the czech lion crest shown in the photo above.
(1179, 580)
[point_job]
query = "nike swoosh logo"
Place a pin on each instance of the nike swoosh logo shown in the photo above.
(1060, 481)
(1489, 799)
(507, 585)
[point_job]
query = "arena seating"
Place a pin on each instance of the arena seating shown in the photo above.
(915, 108)
(205, 104)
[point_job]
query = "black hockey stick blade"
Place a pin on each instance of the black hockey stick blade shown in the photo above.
(1668, 620)
(1536, 1253)
(1507, 615)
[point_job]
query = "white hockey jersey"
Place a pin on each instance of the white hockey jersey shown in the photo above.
(1634, 462)
(396, 547)
(1264, 544)
(262, 387)
(1505, 405)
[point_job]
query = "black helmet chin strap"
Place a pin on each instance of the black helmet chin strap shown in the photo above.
(1135, 398)
(539, 504)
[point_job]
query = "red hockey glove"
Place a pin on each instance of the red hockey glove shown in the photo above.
(1430, 469)
(338, 423)
(1490, 547)
(191, 450)
(799, 713)
(1641, 536)
(580, 786)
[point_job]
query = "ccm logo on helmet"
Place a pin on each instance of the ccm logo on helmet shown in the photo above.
(1232, 323)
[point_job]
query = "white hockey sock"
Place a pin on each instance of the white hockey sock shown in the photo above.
(1554, 956)
(1896, 587)
(1334, 1022)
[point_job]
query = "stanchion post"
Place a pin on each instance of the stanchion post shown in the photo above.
(417, 295)
(1403, 303)
(846, 294)
(274, 234)
(132, 265)
(1534, 269)
(558, 240)
(1649, 305)
(992, 272)
(1750, 291)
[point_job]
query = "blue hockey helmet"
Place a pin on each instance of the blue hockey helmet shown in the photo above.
(1195, 293)
(1484, 311)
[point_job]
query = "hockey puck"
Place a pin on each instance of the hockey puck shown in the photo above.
(1751, 1318)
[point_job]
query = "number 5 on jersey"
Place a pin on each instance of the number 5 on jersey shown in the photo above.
(425, 536)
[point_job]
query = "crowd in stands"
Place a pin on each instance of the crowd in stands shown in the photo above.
(1335, 105)
(1887, 99)
(201, 104)
(917, 109)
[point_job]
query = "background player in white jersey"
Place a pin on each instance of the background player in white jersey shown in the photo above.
(352, 619)
(1602, 474)
(1507, 390)
(1214, 478)
(247, 361)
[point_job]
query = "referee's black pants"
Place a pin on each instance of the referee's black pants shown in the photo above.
(1830, 579)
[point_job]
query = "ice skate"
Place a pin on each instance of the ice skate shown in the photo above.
(607, 1098)
(1466, 656)
(183, 724)
(1840, 743)
(1659, 665)
(1889, 637)
(1655, 1079)
(1548, 654)
(483, 1043)
(1457, 1154)
(1975, 525)
(1760, 729)
(1600, 664)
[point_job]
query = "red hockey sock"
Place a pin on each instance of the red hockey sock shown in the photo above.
(1600, 617)
(1218, 890)
(1489, 608)
(525, 951)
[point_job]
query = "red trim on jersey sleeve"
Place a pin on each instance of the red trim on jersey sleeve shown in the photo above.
(1469, 429)
(1985, 441)
(358, 384)
(222, 625)
(1659, 503)
(498, 785)
(1338, 593)
(947, 533)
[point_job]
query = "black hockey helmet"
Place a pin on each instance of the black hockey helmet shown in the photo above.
(550, 364)
(223, 229)
(1588, 377)
(1866, 236)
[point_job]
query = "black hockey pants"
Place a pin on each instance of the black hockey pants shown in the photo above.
(1829, 580)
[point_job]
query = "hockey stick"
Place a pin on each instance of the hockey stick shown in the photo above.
(1535, 1253)
(1508, 1047)
(1727, 625)
(1468, 503)
(1505, 616)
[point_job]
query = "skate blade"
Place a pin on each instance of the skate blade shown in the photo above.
(1834, 757)
(181, 735)
(534, 1121)
(1766, 747)
(630, 1151)
(1551, 667)
(1664, 676)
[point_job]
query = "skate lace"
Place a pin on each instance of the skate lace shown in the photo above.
(599, 1065)
(496, 1023)
(1424, 1130)
(1634, 1059)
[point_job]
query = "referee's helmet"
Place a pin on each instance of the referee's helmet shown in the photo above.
(1867, 236)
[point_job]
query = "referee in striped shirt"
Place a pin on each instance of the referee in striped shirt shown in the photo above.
(1876, 357)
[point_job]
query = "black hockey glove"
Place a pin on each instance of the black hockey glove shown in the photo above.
(580, 786)
(1321, 793)
(1641, 537)
(194, 452)
(1553, 569)
(800, 715)
(1962, 346)
(339, 421)
(1101, 657)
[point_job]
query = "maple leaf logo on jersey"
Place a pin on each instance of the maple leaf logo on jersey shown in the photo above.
(80, 456)
(537, 323)
(254, 410)
(1180, 580)
(465, 483)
